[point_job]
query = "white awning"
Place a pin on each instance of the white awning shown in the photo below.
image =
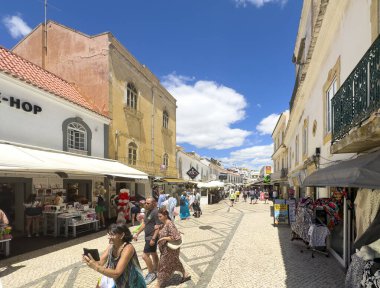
(14, 157)
(211, 184)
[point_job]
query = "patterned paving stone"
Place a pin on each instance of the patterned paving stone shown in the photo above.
(239, 248)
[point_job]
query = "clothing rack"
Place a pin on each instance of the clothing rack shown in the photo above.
(311, 230)
(315, 245)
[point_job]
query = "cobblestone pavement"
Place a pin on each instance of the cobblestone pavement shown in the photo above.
(239, 248)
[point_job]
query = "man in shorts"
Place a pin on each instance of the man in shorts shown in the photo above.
(151, 236)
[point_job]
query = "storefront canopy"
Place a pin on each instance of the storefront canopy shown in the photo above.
(173, 180)
(211, 184)
(21, 158)
(361, 172)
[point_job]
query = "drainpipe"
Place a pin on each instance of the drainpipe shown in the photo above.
(152, 136)
(116, 144)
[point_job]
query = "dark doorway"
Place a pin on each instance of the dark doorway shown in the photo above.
(78, 190)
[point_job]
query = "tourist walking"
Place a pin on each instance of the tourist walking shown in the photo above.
(237, 193)
(232, 197)
(161, 199)
(245, 195)
(169, 258)
(197, 205)
(191, 201)
(184, 207)
(172, 203)
(118, 264)
(150, 249)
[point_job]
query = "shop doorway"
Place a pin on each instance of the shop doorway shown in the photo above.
(78, 190)
(13, 192)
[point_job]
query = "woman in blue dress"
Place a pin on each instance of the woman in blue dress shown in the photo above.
(184, 207)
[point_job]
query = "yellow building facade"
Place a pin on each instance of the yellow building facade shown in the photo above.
(142, 133)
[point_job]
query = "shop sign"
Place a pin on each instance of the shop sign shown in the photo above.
(192, 173)
(281, 215)
(19, 104)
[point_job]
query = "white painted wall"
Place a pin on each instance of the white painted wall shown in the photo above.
(351, 40)
(43, 129)
(187, 163)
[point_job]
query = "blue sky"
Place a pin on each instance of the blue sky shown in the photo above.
(227, 62)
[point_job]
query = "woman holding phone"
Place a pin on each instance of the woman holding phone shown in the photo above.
(119, 262)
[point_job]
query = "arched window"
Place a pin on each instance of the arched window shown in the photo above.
(76, 137)
(165, 120)
(131, 99)
(165, 160)
(132, 153)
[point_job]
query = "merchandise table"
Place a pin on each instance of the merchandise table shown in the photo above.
(54, 215)
(6, 244)
(75, 220)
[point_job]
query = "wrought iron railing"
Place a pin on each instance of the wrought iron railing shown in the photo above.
(359, 96)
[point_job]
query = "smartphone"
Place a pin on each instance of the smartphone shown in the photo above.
(93, 252)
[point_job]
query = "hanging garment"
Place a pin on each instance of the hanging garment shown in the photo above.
(355, 272)
(304, 218)
(370, 235)
(318, 235)
(367, 204)
(371, 279)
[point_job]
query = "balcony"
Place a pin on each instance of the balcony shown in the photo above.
(280, 175)
(356, 121)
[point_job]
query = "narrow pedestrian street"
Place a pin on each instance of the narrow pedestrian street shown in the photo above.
(239, 248)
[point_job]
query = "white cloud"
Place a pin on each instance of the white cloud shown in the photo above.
(259, 3)
(206, 110)
(267, 124)
(16, 26)
(253, 157)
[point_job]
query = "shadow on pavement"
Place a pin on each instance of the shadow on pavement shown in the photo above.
(304, 271)
(9, 270)
(21, 246)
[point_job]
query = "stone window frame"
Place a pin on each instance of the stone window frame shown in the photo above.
(305, 138)
(333, 75)
(88, 136)
(165, 119)
(297, 150)
(131, 96)
(165, 160)
(132, 153)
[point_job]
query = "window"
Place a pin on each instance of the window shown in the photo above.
(297, 150)
(304, 139)
(132, 153)
(165, 120)
(131, 100)
(165, 160)
(329, 113)
(76, 136)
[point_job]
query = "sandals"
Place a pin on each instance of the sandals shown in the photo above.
(186, 278)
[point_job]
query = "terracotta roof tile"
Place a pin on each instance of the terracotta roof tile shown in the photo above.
(18, 67)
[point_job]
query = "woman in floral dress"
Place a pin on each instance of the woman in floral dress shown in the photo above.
(169, 259)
